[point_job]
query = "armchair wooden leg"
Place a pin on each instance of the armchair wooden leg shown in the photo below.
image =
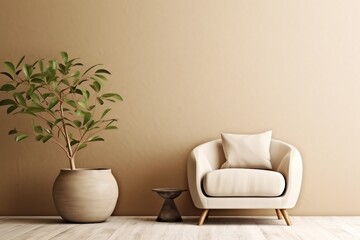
(203, 216)
(207, 215)
(286, 216)
(278, 214)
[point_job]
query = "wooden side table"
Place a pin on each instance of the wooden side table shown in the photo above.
(169, 212)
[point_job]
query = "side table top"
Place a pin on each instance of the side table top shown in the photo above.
(168, 190)
(169, 193)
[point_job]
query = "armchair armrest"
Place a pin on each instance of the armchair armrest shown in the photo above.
(197, 167)
(291, 168)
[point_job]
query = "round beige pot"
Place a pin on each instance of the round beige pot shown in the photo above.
(85, 195)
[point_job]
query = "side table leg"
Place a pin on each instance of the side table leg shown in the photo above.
(169, 212)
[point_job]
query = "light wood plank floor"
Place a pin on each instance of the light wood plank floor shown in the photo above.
(128, 228)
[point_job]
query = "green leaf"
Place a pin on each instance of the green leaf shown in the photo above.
(68, 65)
(37, 129)
(7, 87)
(11, 108)
(64, 56)
(34, 110)
(57, 121)
(53, 65)
(17, 65)
(95, 139)
(25, 70)
(101, 77)
(53, 103)
(90, 124)
(30, 69)
(46, 138)
(7, 102)
(36, 104)
(75, 74)
(30, 91)
(20, 137)
(46, 95)
(82, 146)
(26, 112)
(102, 71)
(82, 104)
(86, 94)
(112, 95)
(54, 86)
(105, 112)
(90, 68)
(35, 98)
(13, 131)
(65, 81)
(87, 117)
(10, 67)
(39, 137)
(52, 124)
(82, 81)
(62, 68)
(34, 64)
(71, 103)
(37, 80)
(73, 142)
(110, 121)
(110, 127)
(70, 125)
(96, 86)
(7, 74)
(72, 60)
(19, 99)
(100, 100)
(77, 123)
(41, 65)
(78, 91)
(37, 75)
(80, 112)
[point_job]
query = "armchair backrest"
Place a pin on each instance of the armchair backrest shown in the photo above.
(214, 153)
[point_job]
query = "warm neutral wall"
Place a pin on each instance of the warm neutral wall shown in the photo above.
(189, 70)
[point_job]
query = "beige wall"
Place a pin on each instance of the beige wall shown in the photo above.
(189, 70)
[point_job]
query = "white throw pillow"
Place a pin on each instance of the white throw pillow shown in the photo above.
(247, 151)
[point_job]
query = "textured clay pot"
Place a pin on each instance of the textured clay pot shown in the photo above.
(85, 195)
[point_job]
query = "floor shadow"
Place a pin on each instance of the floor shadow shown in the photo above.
(42, 220)
(186, 220)
(241, 221)
(221, 221)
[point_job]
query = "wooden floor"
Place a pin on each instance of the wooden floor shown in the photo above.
(128, 228)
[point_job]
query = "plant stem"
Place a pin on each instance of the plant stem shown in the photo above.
(80, 142)
(72, 163)
(67, 139)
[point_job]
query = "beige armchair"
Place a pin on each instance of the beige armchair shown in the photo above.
(214, 188)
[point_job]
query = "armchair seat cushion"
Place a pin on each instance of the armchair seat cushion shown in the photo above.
(239, 182)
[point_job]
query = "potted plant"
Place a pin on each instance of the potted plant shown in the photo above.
(67, 108)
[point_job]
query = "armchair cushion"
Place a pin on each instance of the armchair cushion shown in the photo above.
(247, 151)
(236, 182)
